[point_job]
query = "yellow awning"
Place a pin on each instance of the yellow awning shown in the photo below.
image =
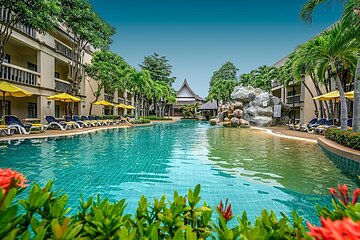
(7, 89)
(64, 97)
(350, 95)
(121, 105)
(334, 95)
(104, 103)
(130, 107)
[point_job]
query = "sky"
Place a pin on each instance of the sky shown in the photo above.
(198, 36)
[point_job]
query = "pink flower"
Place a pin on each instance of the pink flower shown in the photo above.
(337, 230)
(10, 179)
(225, 211)
(356, 195)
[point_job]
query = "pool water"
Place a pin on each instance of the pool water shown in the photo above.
(253, 169)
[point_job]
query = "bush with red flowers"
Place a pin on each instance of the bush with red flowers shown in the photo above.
(43, 214)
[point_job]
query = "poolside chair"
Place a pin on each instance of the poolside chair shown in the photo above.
(62, 125)
(92, 118)
(111, 121)
(93, 123)
(105, 122)
(78, 120)
(69, 120)
(6, 130)
(14, 121)
(124, 119)
(300, 126)
(310, 128)
(322, 128)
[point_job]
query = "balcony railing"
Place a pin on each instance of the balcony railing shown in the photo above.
(293, 99)
(121, 100)
(18, 74)
(64, 50)
(5, 17)
(62, 86)
(108, 97)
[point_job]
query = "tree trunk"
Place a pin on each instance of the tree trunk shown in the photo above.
(343, 103)
(356, 109)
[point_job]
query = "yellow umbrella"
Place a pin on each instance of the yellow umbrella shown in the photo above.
(64, 97)
(103, 102)
(7, 89)
(328, 96)
(130, 107)
(121, 105)
(350, 95)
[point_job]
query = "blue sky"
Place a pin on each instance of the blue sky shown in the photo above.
(198, 36)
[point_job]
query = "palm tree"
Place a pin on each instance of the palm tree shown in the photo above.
(334, 52)
(139, 85)
(221, 90)
(351, 18)
(263, 77)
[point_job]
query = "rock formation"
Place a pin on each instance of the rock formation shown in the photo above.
(252, 105)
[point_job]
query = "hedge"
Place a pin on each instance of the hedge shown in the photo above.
(156, 118)
(139, 121)
(44, 214)
(346, 138)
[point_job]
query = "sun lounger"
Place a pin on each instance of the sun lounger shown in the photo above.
(62, 125)
(111, 121)
(310, 128)
(322, 128)
(6, 130)
(14, 121)
(299, 126)
(84, 124)
(91, 122)
(105, 122)
(69, 120)
(92, 118)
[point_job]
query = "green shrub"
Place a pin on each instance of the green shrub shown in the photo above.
(140, 121)
(155, 118)
(346, 138)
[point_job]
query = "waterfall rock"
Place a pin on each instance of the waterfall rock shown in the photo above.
(265, 111)
(243, 122)
(235, 122)
(238, 113)
(262, 121)
(244, 94)
(213, 121)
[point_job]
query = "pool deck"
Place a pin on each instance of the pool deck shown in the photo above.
(284, 131)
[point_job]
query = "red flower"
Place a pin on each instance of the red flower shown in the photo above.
(225, 211)
(343, 195)
(337, 230)
(10, 179)
(356, 195)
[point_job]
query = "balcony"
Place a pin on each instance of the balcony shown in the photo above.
(121, 100)
(65, 50)
(62, 86)
(5, 16)
(293, 99)
(108, 97)
(18, 74)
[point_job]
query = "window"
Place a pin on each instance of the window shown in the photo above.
(32, 110)
(57, 75)
(7, 108)
(57, 111)
(32, 67)
(7, 58)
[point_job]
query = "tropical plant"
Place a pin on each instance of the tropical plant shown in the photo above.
(336, 51)
(227, 71)
(351, 18)
(189, 111)
(221, 90)
(38, 14)
(44, 214)
(87, 29)
(158, 68)
(108, 70)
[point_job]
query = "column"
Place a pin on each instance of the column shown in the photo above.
(45, 107)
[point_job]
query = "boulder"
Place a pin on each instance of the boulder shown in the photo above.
(227, 124)
(238, 113)
(275, 100)
(213, 121)
(232, 106)
(243, 122)
(243, 94)
(238, 105)
(226, 119)
(235, 122)
(262, 100)
(262, 121)
(252, 111)
(265, 111)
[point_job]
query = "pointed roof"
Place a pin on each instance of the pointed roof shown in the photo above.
(210, 105)
(186, 85)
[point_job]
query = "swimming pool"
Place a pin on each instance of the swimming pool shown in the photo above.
(253, 169)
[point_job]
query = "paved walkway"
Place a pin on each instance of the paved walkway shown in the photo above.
(284, 130)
